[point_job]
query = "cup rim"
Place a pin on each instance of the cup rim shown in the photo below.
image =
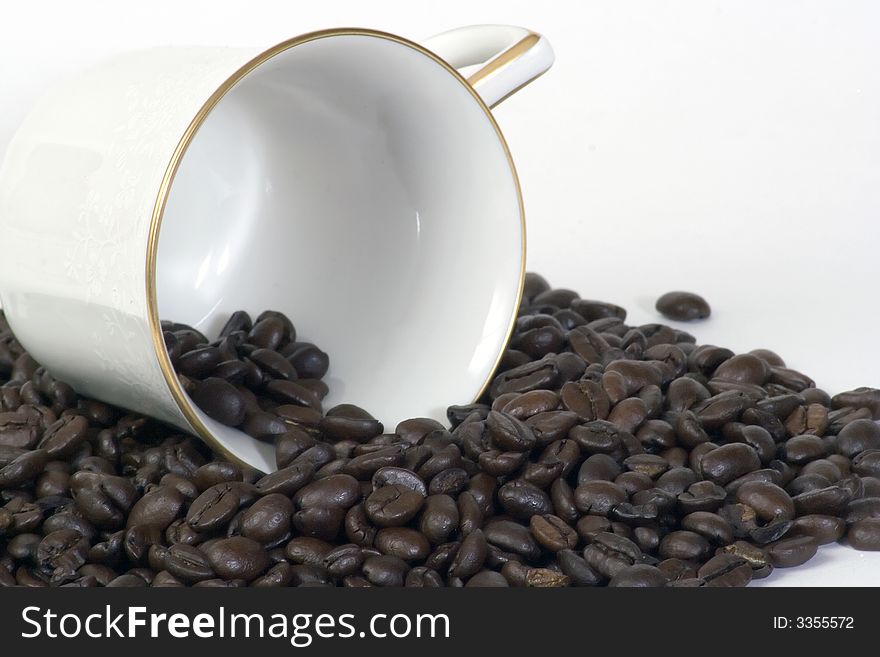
(180, 397)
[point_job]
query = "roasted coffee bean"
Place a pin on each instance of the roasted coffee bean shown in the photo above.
(857, 437)
(865, 464)
(307, 550)
(237, 557)
(393, 506)
(769, 501)
(470, 556)
(214, 508)
(158, 507)
(726, 463)
(189, 564)
(587, 399)
(269, 333)
(553, 533)
(220, 400)
(683, 306)
(403, 542)
(792, 551)
(523, 500)
(439, 518)
(865, 534)
(599, 497)
(867, 398)
(824, 529)
(826, 501)
(348, 422)
(385, 570)
(639, 575)
(267, 521)
(322, 522)
(726, 570)
(308, 360)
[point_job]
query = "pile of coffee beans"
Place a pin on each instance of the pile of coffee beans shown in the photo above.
(602, 454)
(250, 373)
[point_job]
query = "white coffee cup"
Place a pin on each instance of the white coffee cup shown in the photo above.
(349, 178)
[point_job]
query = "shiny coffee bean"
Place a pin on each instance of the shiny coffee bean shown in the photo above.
(683, 306)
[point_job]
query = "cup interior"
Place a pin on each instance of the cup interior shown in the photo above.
(355, 184)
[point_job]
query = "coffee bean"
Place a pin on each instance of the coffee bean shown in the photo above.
(683, 306)
(769, 501)
(523, 500)
(792, 551)
(824, 529)
(726, 463)
(214, 508)
(220, 400)
(267, 521)
(865, 534)
(237, 557)
(308, 360)
(470, 556)
(393, 506)
(726, 570)
(402, 542)
(553, 533)
(868, 398)
(341, 491)
(385, 570)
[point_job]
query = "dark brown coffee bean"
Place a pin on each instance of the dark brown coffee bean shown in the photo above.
(319, 522)
(340, 491)
(523, 500)
(439, 518)
(769, 501)
(269, 333)
(310, 362)
(868, 398)
(470, 556)
(587, 399)
(403, 542)
(64, 437)
(553, 533)
(263, 425)
(726, 463)
(824, 529)
(189, 564)
(348, 422)
(214, 508)
(683, 306)
(237, 557)
(220, 400)
(393, 506)
(726, 570)
(791, 552)
(268, 520)
(685, 545)
(865, 534)
(385, 570)
(158, 507)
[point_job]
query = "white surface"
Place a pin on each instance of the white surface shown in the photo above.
(689, 128)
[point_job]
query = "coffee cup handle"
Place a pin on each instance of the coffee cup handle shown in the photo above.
(509, 57)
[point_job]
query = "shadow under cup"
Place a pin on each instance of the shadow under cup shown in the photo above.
(357, 185)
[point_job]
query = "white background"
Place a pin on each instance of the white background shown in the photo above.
(730, 148)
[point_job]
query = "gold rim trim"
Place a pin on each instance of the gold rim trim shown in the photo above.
(189, 134)
(504, 60)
